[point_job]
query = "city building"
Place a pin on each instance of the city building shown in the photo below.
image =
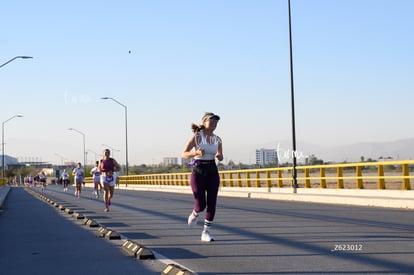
(170, 161)
(266, 157)
(8, 160)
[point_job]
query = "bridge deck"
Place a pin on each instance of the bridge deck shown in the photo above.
(253, 236)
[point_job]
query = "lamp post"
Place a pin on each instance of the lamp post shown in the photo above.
(126, 133)
(20, 56)
(61, 158)
(96, 155)
(292, 96)
(112, 149)
(84, 150)
(2, 142)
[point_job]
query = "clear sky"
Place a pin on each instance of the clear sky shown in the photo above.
(170, 61)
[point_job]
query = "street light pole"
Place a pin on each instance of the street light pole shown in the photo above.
(126, 132)
(61, 158)
(2, 142)
(23, 57)
(113, 150)
(84, 150)
(96, 155)
(292, 96)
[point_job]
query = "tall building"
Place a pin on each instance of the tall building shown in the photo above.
(266, 156)
(170, 161)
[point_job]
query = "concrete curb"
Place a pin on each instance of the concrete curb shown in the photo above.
(361, 197)
(4, 191)
(129, 248)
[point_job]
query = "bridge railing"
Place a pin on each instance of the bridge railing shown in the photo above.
(368, 175)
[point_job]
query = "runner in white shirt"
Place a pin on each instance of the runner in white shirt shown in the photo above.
(65, 180)
(42, 178)
(79, 179)
(96, 174)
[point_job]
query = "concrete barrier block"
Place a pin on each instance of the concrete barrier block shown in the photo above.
(144, 253)
(130, 248)
(78, 215)
(91, 223)
(112, 235)
(173, 269)
(137, 251)
(68, 211)
(102, 231)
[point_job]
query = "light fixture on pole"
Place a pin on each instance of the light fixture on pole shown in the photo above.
(23, 57)
(2, 142)
(84, 150)
(112, 149)
(126, 132)
(292, 96)
(61, 158)
(96, 155)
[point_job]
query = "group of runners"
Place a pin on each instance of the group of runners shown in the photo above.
(39, 178)
(204, 147)
(103, 174)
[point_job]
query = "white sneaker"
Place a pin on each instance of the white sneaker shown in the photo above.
(207, 237)
(192, 219)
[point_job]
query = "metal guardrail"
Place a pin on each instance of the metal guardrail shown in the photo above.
(372, 175)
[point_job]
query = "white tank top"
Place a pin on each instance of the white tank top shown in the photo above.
(209, 145)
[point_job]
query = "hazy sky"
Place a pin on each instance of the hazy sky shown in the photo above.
(170, 61)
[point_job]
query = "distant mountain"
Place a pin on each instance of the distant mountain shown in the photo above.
(400, 149)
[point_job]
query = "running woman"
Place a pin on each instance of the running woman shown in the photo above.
(30, 181)
(204, 146)
(42, 179)
(107, 167)
(79, 178)
(97, 186)
(65, 180)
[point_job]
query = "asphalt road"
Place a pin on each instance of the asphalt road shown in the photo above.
(252, 236)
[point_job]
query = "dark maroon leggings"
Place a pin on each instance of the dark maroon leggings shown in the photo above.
(205, 182)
